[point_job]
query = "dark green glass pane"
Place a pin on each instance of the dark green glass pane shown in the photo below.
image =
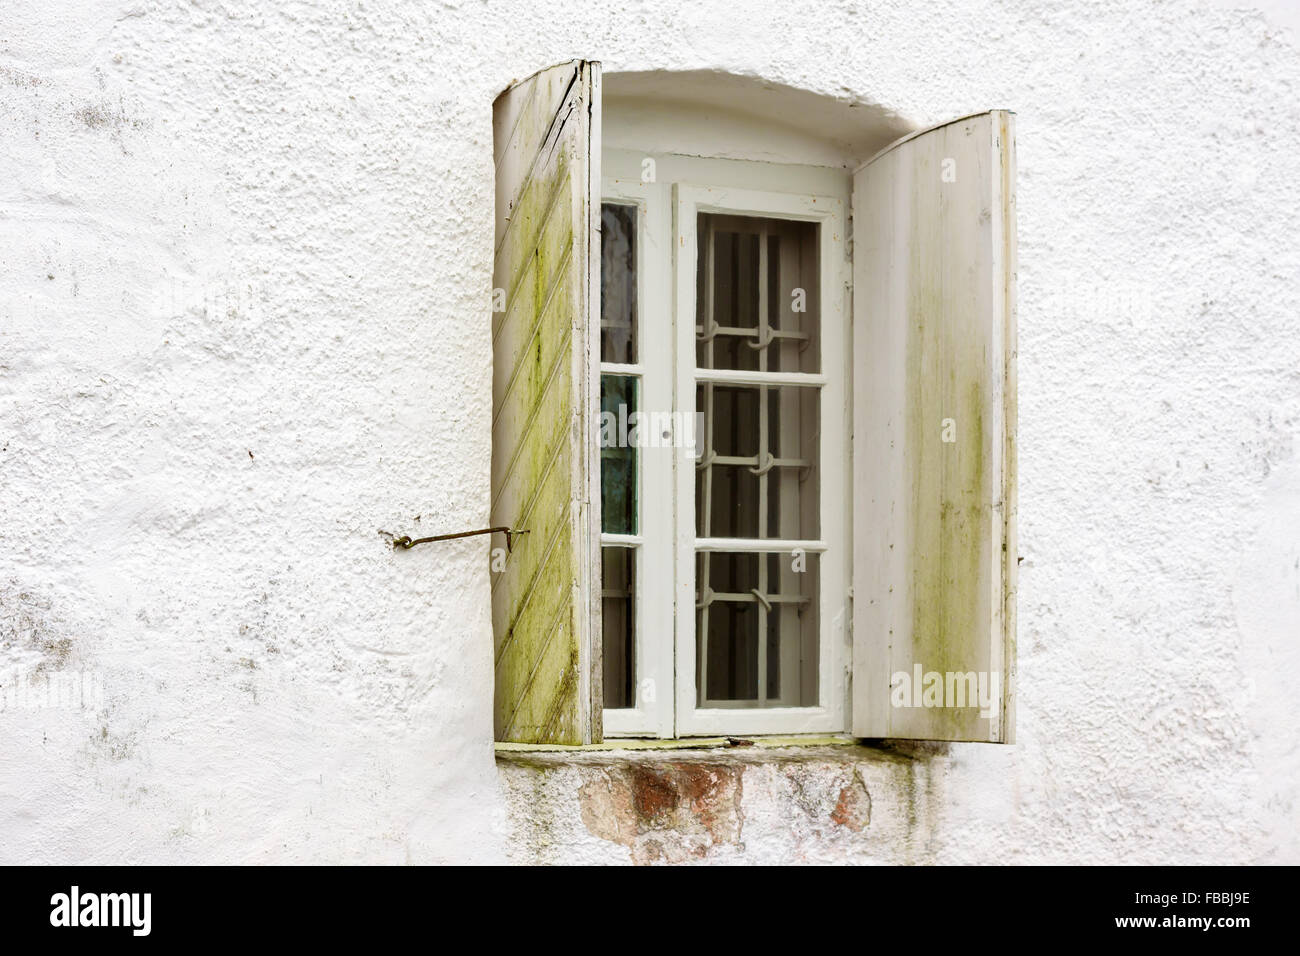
(618, 454)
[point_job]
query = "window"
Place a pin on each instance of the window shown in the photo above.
(716, 306)
(764, 454)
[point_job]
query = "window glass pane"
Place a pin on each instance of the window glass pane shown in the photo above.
(618, 613)
(756, 294)
(618, 509)
(756, 629)
(618, 305)
(757, 475)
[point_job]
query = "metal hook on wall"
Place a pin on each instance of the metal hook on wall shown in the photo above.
(405, 542)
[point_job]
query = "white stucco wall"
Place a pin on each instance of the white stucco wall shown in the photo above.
(245, 255)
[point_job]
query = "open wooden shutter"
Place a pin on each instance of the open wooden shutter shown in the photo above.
(934, 415)
(545, 399)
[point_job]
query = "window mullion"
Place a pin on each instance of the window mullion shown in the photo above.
(764, 476)
(706, 525)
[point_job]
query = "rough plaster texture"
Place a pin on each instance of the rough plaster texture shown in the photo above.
(245, 255)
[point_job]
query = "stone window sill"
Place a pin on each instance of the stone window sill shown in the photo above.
(682, 743)
(751, 750)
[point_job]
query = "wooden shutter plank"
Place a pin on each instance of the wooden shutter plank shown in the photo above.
(533, 419)
(531, 300)
(546, 516)
(541, 710)
(541, 228)
(524, 117)
(934, 339)
(545, 402)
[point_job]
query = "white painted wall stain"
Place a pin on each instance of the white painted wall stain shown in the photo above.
(246, 258)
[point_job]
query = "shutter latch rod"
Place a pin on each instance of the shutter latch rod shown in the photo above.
(405, 542)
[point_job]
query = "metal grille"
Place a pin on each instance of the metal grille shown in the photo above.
(757, 475)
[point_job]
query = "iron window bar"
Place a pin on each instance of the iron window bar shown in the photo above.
(759, 464)
(763, 334)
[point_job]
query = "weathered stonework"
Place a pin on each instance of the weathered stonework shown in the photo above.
(732, 805)
(667, 813)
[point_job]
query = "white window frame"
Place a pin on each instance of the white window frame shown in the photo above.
(652, 713)
(665, 603)
(828, 213)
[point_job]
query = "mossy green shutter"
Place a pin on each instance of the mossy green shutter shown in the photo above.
(545, 389)
(934, 255)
